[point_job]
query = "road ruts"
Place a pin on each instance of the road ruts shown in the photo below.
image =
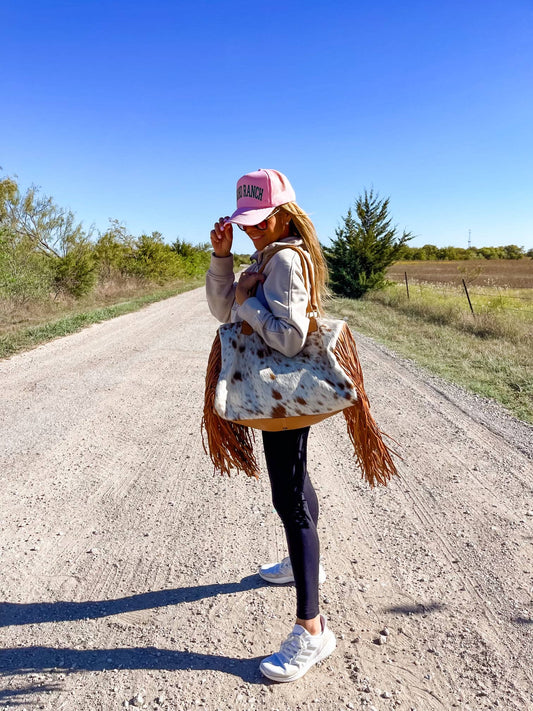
(129, 567)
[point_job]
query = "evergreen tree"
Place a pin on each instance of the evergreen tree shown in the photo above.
(364, 247)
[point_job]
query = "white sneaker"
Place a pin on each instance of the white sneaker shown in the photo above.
(298, 653)
(279, 573)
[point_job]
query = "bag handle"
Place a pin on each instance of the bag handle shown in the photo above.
(308, 271)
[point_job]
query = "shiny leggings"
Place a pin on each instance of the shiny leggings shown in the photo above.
(295, 500)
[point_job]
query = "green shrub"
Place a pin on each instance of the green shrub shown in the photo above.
(75, 274)
(25, 274)
(240, 260)
(153, 260)
(113, 251)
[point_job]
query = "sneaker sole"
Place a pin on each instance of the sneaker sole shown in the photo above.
(329, 647)
(277, 580)
(287, 579)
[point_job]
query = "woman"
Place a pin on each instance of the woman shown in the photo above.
(274, 303)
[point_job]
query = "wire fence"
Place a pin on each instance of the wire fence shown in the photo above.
(458, 290)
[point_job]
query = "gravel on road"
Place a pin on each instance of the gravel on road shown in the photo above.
(129, 569)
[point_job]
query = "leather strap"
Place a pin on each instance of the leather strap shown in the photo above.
(308, 272)
(307, 269)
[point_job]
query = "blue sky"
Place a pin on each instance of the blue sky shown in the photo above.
(150, 112)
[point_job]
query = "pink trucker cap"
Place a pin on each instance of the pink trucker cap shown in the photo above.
(258, 193)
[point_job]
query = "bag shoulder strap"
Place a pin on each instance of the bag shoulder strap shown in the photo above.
(308, 273)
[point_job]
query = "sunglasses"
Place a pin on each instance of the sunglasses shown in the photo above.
(260, 225)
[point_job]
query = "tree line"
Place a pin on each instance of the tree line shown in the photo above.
(45, 252)
(430, 252)
(367, 243)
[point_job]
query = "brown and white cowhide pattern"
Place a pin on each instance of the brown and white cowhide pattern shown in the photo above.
(257, 381)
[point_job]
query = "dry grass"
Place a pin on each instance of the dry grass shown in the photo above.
(489, 354)
(16, 315)
(23, 326)
(507, 314)
(505, 273)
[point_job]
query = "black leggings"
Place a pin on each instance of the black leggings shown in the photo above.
(295, 500)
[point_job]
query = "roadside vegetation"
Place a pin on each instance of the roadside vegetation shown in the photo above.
(469, 321)
(488, 353)
(56, 277)
(429, 252)
(498, 274)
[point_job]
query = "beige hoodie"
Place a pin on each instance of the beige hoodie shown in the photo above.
(278, 310)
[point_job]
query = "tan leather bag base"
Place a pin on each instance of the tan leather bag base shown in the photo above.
(277, 424)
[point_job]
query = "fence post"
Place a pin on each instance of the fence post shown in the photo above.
(406, 285)
(468, 297)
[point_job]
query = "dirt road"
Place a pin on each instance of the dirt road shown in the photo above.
(128, 570)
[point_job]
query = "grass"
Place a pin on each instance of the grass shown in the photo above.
(507, 313)
(489, 354)
(35, 326)
(496, 273)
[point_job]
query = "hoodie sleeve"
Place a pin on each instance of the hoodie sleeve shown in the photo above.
(220, 287)
(283, 323)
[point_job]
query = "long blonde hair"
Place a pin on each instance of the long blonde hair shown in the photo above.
(302, 227)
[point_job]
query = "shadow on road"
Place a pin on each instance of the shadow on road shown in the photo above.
(24, 660)
(40, 612)
(417, 609)
(19, 697)
(27, 660)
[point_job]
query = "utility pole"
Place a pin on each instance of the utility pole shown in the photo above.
(469, 240)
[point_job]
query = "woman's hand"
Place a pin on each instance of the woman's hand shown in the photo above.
(222, 237)
(246, 286)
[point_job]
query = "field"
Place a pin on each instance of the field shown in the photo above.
(511, 273)
(500, 292)
(486, 350)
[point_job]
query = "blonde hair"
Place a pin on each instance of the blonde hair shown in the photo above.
(302, 227)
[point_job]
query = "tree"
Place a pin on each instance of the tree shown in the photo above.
(428, 252)
(8, 197)
(512, 251)
(37, 226)
(75, 272)
(364, 247)
(114, 250)
(492, 252)
(25, 274)
(183, 248)
(51, 229)
(194, 258)
(154, 260)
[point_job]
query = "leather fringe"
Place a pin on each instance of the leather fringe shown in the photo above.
(372, 454)
(229, 445)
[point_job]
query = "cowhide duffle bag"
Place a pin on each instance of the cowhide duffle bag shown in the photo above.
(251, 385)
